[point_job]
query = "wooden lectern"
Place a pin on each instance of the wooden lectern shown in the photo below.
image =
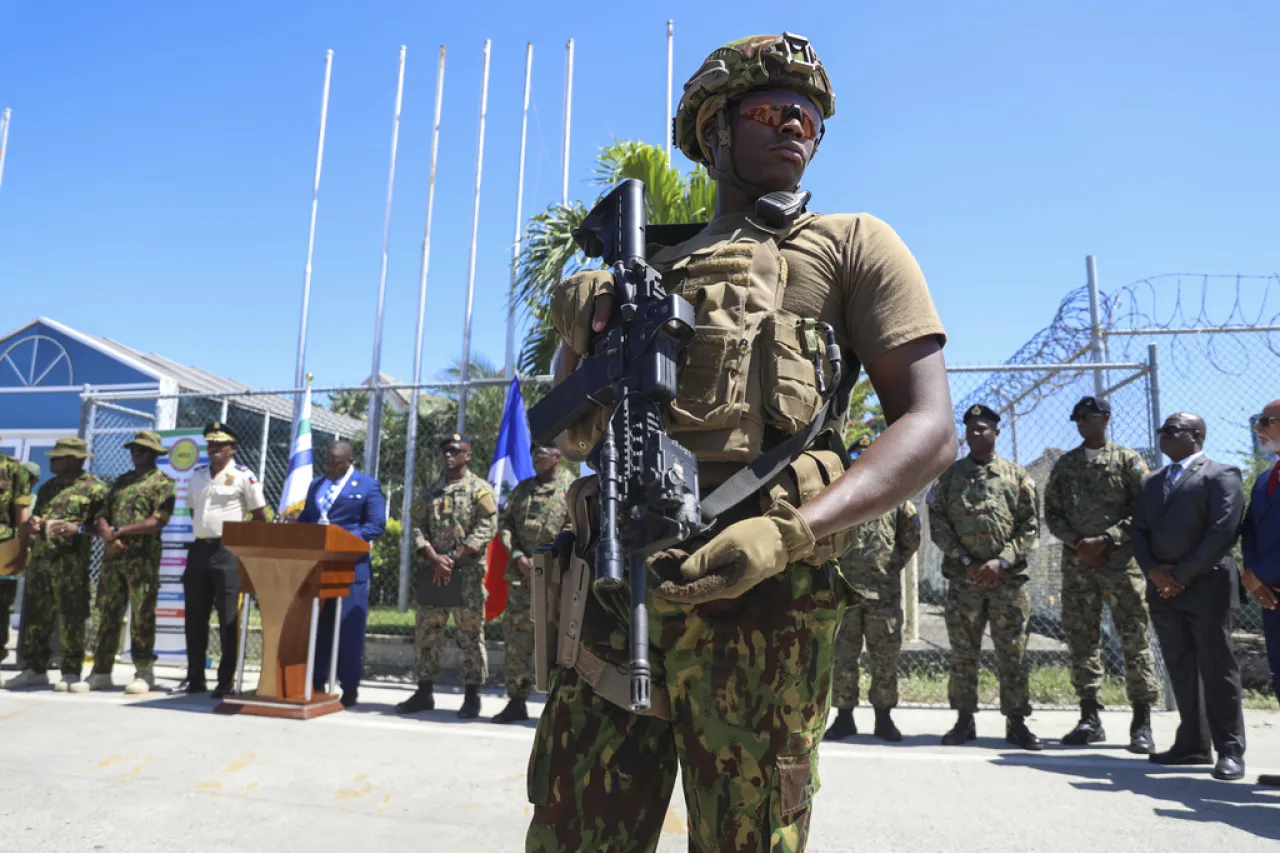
(289, 568)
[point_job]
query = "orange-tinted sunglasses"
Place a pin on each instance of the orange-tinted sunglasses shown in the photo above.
(775, 113)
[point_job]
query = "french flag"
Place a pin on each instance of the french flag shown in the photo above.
(512, 462)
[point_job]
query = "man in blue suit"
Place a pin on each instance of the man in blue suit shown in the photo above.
(1260, 541)
(354, 502)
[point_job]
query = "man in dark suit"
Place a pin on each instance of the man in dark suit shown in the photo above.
(1260, 540)
(1184, 525)
(354, 502)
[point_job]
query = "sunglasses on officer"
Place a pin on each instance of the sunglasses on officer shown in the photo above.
(1087, 416)
(775, 109)
(452, 449)
(1262, 422)
(1174, 430)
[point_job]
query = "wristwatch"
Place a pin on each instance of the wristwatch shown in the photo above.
(966, 560)
(115, 532)
(1004, 564)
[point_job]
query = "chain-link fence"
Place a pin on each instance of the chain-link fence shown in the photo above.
(1034, 403)
(1219, 340)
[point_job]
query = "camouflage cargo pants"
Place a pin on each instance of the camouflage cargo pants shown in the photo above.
(879, 623)
(132, 584)
(749, 682)
(1084, 591)
(517, 629)
(8, 594)
(468, 623)
(969, 608)
(57, 588)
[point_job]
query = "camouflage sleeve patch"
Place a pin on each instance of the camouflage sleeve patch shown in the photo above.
(486, 502)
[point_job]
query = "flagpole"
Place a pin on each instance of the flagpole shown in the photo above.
(666, 121)
(568, 113)
(4, 136)
(471, 265)
(411, 449)
(373, 431)
(298, 373)
(515, 248)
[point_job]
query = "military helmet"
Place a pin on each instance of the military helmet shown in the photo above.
(787, 62)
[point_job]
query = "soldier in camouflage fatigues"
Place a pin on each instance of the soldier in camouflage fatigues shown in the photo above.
(982, 516)
(15, 503)
(533, 515)
(1088, 505)
(136, 510)
(452, 527)
(881, 548)
(58, 575)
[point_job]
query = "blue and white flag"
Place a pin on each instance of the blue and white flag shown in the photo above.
(298, 480)
(512, 459)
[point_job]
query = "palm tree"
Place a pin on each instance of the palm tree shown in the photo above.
(550, 254)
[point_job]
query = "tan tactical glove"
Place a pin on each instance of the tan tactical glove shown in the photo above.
(741, 556)
(573, 305)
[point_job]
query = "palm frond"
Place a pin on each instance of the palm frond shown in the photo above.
(549, 253)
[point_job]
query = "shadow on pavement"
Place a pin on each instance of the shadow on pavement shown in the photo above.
(1244, 805)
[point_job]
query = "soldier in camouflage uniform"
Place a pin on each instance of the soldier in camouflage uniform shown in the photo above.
(982, 516)
(451, 530)
(61, 527)
(881, 549)
(136, 510)
(15, 505)
(533, 515)
(1088, 505)
(742, 618)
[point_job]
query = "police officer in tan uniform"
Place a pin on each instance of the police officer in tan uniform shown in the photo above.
(222, 491)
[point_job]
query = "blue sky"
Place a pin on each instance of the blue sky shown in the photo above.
(158, 180)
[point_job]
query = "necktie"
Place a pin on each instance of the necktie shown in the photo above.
(1170, 478)
(326, 500)
(1274, 479)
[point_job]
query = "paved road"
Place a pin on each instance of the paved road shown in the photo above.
(161, 773)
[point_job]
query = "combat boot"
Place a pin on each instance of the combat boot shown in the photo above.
(27, 678)
(423, 700)
(97, 681)
(513, 713)
(144, 680)
(470, 703)
(62, 685)
(843, 727)
(962, 732)
(885, 729)
(1017, 733)
(1089, 729)
(1141, 741)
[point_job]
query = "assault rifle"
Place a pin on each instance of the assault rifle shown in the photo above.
(648, 482)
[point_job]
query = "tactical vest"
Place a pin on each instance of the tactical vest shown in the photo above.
(751, 364)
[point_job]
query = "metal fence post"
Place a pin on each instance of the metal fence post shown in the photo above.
(1095, 325)
(911, 599)
(223, 417)
(406, 523)
(1153, 371)
(263, 447)
(1013, 433)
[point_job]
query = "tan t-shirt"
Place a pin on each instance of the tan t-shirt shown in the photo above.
(853, 271)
